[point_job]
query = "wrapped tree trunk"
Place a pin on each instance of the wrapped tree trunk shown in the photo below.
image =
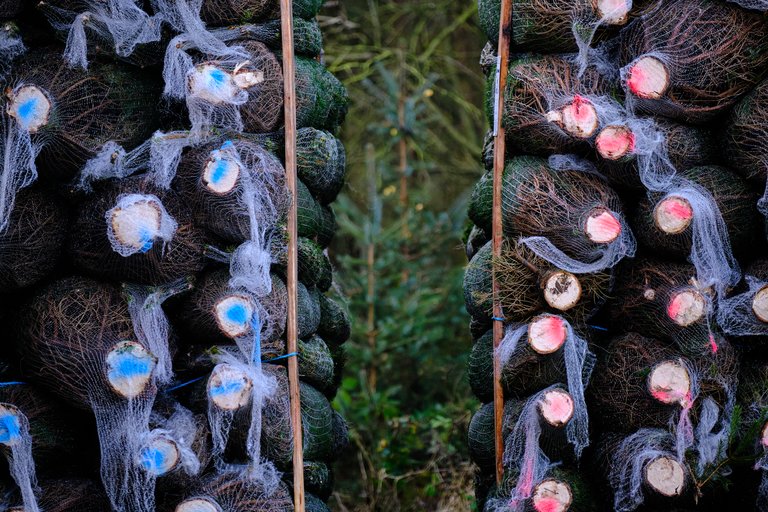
(73, 113)
(134, 231)
(529, 284)
(620, 158)
(32, 243)
(665, 74)
(548, 27)
(548, 108)
(664, 222)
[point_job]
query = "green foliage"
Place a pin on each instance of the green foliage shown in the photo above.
(414, 138)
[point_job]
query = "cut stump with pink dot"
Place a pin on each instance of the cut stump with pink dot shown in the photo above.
(615, 142)
(546, 334)
(686, 307)
(556, 407)
(552, 496)
(612, 12)
(764, 435)
(669, 382)
(578, 118)
(673, 215)
(602, 226)
(648, 78)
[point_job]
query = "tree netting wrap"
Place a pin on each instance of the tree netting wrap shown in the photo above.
(63, 495)
(219, 179)
(33, 241)
(663, 73)
(132, 230)
(550, 26)
(11, 46)
(563, 212)
(73, 113)
(143, 254)
(94, 360)
(744, 314)
(122, 26)
(633, 210)
(529, 284)
(230, 12)
(546, 105)
(232, 492)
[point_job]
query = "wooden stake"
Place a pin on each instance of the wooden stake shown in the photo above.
(289, 79)
(505, 42)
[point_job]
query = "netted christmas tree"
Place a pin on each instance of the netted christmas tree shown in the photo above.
(143, 255)
(632, 278)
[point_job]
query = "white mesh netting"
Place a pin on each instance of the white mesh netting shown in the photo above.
(15, 436)
(150, 324)
(137, 222)
(603, 256)
(627, 472)
(523, 452)
(19, 147)
(122, 23)
(579, 362)
(744, 314)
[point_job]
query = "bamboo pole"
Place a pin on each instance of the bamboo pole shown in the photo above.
(505, 42)
(289, 79)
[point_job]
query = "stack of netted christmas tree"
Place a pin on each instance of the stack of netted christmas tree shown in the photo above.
(633, 277)
(143, 246)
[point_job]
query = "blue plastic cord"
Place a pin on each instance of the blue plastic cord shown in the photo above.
(256, 326)
(598, 328)
(497, 319)
(13, 383)
(183, 384)
(278, 358)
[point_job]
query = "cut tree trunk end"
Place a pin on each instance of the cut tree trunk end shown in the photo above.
(220, 174)
(612, 12)
(30, 107)
(552, 496)
(229, 388)
(137, 225)
(546, 334)
(556, 407)
(602, 226)
(578, 118)
(233, 315)
(670, 383)
(210, 83)
(648, 78)
(10, 425)
(562, 290)
(665, 476)
(160, 456)
(129, 369)
(760, 304)
(673, 215)
(686, 307)
(764, 435)
(198, 505)
(614, 142)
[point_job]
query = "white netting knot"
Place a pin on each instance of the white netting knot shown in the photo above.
(137, 222)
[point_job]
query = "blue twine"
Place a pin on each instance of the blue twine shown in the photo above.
(256, 326)
(13, 383)
(183, 384)
(598, 328)
(278, 358)
(497, 319)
